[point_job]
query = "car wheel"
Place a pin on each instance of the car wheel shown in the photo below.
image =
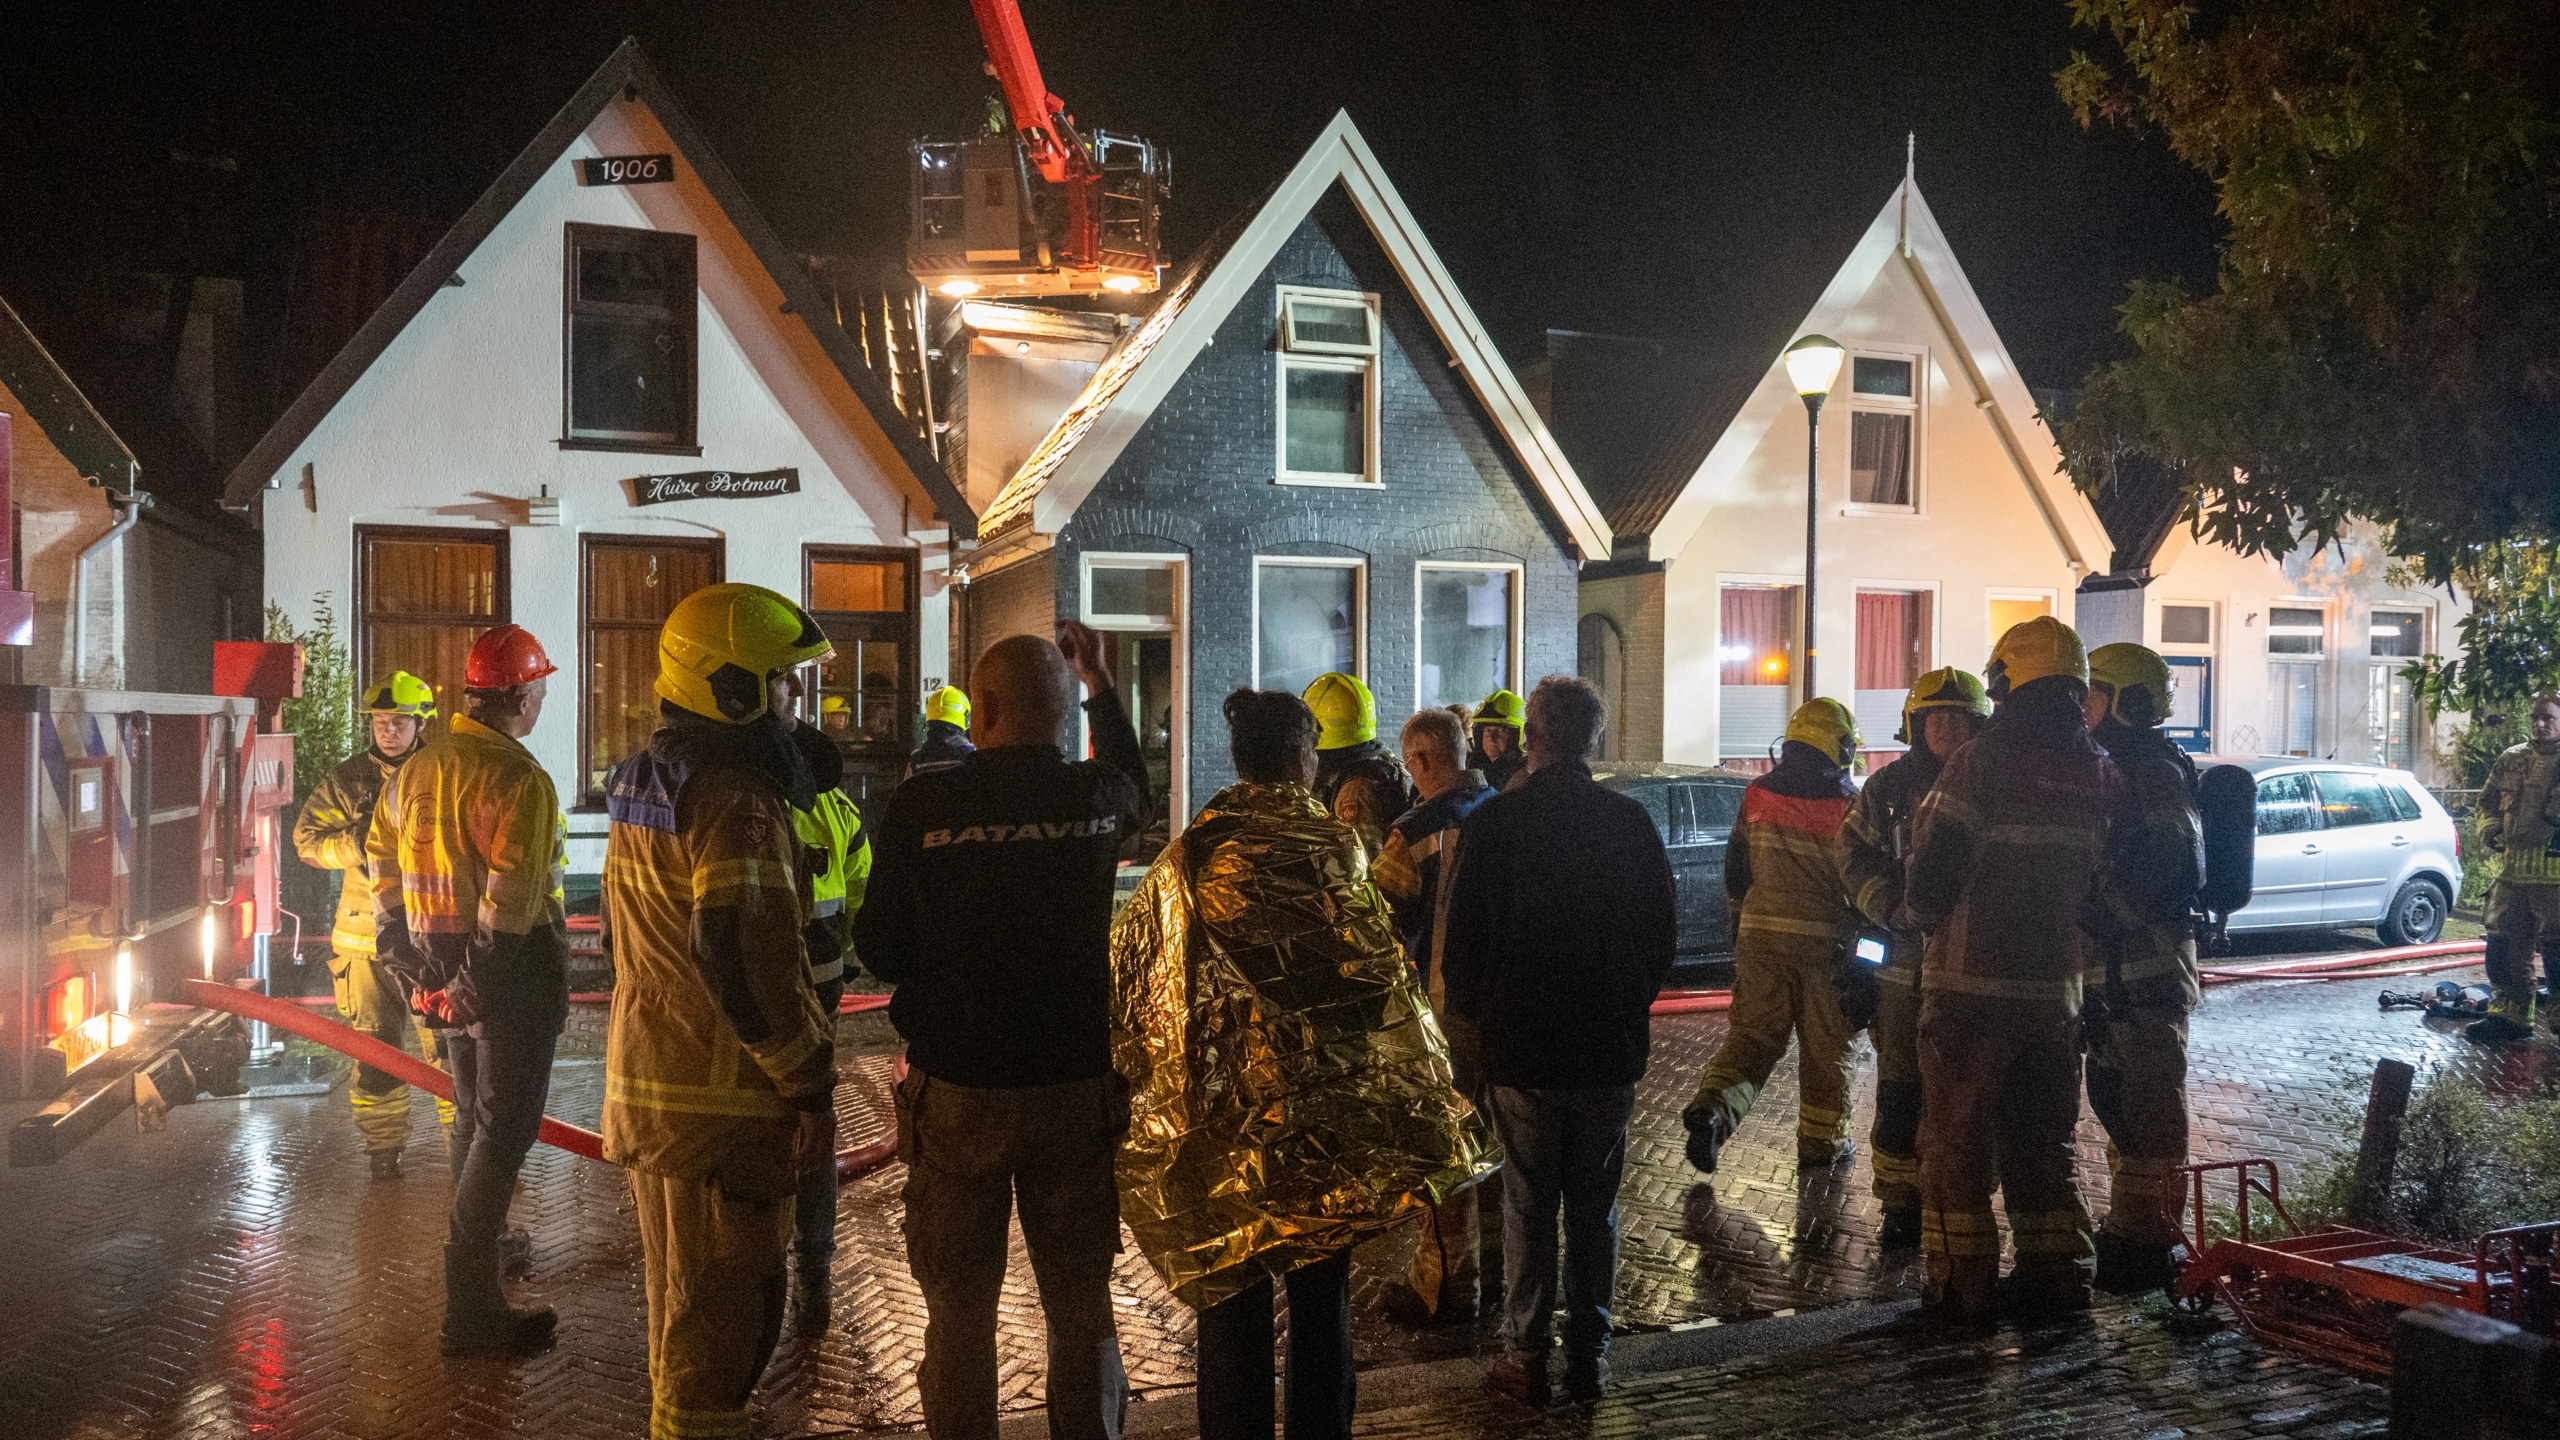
(2416, 916)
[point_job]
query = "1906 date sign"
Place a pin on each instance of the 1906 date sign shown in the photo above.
(627, 170)
(713, 485)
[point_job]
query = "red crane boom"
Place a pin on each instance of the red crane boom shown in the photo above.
(1039, 118)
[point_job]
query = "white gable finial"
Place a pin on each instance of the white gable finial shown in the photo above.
(1910, 166)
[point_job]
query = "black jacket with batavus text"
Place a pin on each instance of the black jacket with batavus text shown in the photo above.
(990, 907)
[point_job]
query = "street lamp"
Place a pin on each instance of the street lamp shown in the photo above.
(1812, 363)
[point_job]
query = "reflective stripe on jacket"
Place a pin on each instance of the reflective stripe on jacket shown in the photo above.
(2520, 810)
(716, 1035)
(2009, 844)
(466, 855)
(1792, 896)
(838, 874)
(2143, 918)
(329, 834)
(1874, 850)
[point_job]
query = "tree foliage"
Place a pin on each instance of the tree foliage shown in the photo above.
(322, 719)
(2384, 340)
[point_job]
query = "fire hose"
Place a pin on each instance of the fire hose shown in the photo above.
(286, 1015)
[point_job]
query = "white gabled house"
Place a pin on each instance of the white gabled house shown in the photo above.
(1944, 513)
(608, 385)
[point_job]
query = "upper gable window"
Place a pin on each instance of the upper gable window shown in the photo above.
(628, 338)
(1328, 387)
(1884, 425)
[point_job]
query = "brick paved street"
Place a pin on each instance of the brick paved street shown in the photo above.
(238, 1274)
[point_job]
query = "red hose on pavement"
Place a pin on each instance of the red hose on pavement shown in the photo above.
(285, 1014)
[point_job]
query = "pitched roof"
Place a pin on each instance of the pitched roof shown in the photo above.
(1139, 372)
(59, 409)
(1747, 390)
(625, 69)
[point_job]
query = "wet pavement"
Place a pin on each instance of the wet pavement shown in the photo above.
(238, 1274)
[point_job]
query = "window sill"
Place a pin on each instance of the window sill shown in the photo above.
(1890, 512)
(629, 447)
(1329, 482)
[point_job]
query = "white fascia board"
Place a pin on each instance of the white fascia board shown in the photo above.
(1775, 395)
(2074, 521)
(1341, 156)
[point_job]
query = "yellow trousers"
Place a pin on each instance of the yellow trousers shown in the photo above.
(716, 1285)
(1783, 992)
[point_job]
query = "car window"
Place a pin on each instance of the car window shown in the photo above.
(1656, 800)
(2355, 797)
(1713, 808)
(2285, 805)
(2404, 804)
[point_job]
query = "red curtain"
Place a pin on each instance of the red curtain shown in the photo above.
(1757, 642)
(1893, 638)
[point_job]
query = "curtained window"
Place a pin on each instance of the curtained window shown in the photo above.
(1883, 409)
(1306, 622)
(422, 597)
(1755, 653)
(1893, 651)
(627, 588)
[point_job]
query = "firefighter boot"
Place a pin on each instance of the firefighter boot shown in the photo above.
(477, 1318)
(1961, 1289)
(2127, 1266)
(2511, 995)
(1709, 1127)
(385, 1163)
(1901, 1228)
(2041, 1287)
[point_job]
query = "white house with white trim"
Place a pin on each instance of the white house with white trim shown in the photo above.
(1944, 516)
(607, 385)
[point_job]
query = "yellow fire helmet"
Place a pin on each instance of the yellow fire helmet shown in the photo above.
(1827, 726)
(1947, 689)
(2136, 682)
(401, 693)
(722, 646)
(1346, 713)
(950, 705)
(1502, 707)
(2034, 650)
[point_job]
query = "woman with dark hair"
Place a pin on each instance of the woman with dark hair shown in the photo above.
(1290, 1091)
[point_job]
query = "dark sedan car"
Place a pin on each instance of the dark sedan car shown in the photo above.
(1694, 807)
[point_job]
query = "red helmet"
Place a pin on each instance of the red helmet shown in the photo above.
(504, 657)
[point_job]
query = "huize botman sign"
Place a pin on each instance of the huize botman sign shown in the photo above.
(713, 485)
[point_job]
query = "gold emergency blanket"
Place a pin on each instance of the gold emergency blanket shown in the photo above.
(1290, 1090)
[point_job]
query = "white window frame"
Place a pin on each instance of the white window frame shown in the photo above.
(2158, 621)
(1991, 638)
(2267, 632)
(1519, 583)
(1359, 568)
(1177, 625)
(2424, 615)
(1918, 356)
(1326, 355)
(1937, 634)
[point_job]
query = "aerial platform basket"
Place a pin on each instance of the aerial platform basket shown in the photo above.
(2333, 1292)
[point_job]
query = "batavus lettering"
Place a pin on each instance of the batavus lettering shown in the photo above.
(1034, 830)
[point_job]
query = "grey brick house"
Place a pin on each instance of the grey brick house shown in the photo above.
(1306, 457)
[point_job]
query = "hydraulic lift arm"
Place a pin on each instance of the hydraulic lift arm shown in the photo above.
(1040, 119)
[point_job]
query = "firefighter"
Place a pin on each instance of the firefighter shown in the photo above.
(2009, 843)
(1783, 875)
(2142, 924)
(839, 862)
(329, 834)
(1944, 710)
(1498, 755)
(719, 1069)
(1357, 778)
(2520, 823)
(465, 858)
(946, 732)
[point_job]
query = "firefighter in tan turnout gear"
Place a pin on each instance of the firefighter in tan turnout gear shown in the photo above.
(2142, 977)
(329, 834)
(2520, 824)
(1784, 877)
(1944, 710)
(719, 1069)
(2009, 845)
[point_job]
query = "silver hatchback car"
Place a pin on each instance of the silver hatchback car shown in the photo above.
(2342, 844)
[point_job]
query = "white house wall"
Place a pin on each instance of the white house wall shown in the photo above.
(2347, 583)
(457, 423)
(1979, 529)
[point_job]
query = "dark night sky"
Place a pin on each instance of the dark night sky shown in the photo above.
(1587, 166)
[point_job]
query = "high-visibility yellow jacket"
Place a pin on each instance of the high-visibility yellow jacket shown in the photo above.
(839, 873)
(465, 855)
(329, 834)
(716, 1036)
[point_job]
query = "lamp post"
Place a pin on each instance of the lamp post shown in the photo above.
(1812, 363)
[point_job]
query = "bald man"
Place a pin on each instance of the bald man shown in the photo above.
(990, 910)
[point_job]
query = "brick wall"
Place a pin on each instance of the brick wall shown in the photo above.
(1197, 480)
(1634, 603)
(1013, 601)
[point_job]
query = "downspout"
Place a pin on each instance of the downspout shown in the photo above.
(132, 502)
